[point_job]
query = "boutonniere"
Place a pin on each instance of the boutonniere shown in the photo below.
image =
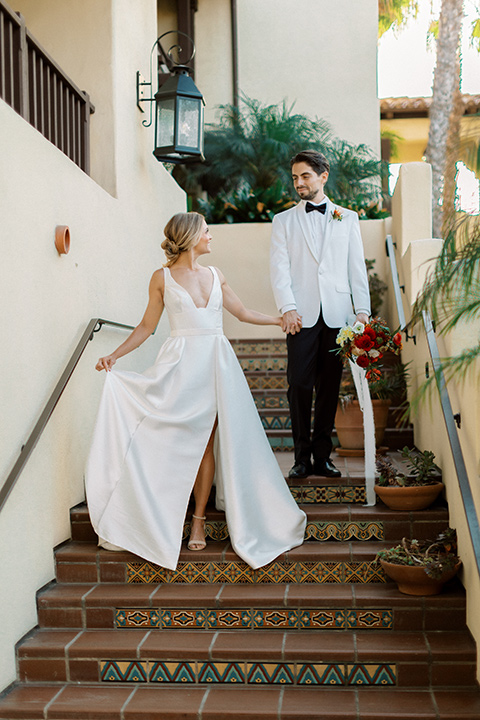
(337, 215)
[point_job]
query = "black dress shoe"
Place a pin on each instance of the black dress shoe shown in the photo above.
(300, 470)
(326, 468)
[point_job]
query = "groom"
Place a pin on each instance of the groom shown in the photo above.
(319, 280)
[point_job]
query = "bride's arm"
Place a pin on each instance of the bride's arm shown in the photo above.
(145, 327)
(234, 305)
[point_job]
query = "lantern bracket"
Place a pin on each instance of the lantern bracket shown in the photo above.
(167, 62)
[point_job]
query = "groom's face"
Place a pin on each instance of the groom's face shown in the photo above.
(307, 183)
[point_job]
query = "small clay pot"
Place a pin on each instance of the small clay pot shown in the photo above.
(62, 239)
(414, 580)
(406, 498)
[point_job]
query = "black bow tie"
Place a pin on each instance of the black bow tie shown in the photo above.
(321, 208)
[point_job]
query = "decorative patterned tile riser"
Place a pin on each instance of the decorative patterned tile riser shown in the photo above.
(274, 401)
(259, 347)
(240, 572)
(308, 494)
(255, 619)
(321, 531)
(280, 443)
(276, 421)
(263, 364)
(271, 381)
(250, 673)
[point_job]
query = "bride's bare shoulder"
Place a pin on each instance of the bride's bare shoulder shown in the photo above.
(158, 279)
(219, 273)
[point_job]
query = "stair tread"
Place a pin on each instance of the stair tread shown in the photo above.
(264, 703)
(236, 596)
(221, 551)
(328, 646)
(324, 512)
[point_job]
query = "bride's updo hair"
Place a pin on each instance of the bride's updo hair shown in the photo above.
(182, 232)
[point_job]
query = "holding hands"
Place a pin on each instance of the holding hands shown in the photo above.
(291, 322)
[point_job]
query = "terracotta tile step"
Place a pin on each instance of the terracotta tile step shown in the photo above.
(312, 562)
(357, 658)
(303, 607)
(125, 702)
(394, 438)
(328, 521)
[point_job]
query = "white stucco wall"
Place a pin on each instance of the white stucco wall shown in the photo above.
(321, 57)
(47, 300)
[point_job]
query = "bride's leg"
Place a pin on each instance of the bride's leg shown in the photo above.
(201, 493)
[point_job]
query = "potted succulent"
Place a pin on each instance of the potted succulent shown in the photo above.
(421, 567)
(415, 490)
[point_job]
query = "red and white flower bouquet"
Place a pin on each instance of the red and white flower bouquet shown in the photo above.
(365, 345)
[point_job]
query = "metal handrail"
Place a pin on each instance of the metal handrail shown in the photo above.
(454, 440)
(93, 326)
(448, 415)
(396, 282)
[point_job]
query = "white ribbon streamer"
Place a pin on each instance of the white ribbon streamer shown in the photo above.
(365, 402)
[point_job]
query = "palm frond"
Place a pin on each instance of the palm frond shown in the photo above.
(452, 287)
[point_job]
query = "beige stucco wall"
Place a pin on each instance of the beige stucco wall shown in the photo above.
(79, 37)
(47, 300)
(242, 252)
(413, 136)
(323, 61)
(416, 253)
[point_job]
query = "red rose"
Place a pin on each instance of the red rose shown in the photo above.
(397, 339)
(363, 361)
(364, 342)
(370, 332)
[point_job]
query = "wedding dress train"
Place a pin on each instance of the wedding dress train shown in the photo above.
(151, 433)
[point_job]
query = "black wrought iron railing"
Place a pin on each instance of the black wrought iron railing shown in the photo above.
(451, 419)
(36, 87)
(93, 326)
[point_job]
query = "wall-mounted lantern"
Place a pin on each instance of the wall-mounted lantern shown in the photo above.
(178, 106)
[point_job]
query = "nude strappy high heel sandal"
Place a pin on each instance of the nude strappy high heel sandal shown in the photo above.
(196, 545)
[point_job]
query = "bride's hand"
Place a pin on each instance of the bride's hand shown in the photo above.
(105, 363)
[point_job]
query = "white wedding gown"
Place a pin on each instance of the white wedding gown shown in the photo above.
(151, 433)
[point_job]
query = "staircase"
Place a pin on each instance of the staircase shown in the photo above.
(317, 634)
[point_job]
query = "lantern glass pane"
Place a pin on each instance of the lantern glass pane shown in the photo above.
(189, 113)
(165, 122)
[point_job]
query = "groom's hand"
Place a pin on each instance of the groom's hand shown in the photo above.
(291, 322)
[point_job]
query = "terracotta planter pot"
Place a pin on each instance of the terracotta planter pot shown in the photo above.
(414, 580)
(349, 424)
(409, 498)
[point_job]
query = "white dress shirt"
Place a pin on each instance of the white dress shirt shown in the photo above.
(317, 223)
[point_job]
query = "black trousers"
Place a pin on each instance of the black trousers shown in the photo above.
(311, 364)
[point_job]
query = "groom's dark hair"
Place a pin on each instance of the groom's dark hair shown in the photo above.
(316, 160)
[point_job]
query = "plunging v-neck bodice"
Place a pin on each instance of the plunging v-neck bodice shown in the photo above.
(204, 307)
(184, 316)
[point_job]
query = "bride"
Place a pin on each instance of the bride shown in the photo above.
(186, 422)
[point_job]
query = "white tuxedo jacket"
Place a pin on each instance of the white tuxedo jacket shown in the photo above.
(336, 281)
